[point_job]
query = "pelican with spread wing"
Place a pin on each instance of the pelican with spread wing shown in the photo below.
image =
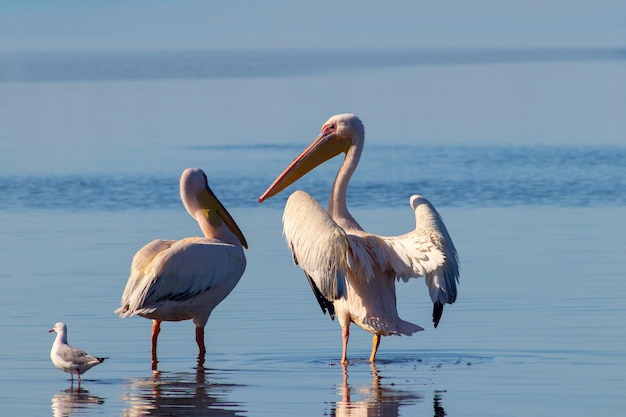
(174, 280)
(353, 273)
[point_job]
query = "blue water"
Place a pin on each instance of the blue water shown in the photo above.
(509, 118)
(538, 328)
(494, 176)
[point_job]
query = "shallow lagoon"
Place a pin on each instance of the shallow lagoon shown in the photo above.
(538, 328)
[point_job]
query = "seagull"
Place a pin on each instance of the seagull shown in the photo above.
(70, 359)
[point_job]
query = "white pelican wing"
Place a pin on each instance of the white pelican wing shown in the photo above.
(426, 252)
(178, 270)
(317, 243)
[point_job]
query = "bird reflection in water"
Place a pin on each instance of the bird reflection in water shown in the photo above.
(74, 401)
(377, 400)
(186, 393)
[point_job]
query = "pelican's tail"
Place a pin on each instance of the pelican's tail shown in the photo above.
(123, 312)
(407, 328)
(401, 327)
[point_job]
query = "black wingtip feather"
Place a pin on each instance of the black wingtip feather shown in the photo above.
(325, 303)
(437, 312)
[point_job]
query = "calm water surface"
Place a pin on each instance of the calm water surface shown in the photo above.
(539, 329)
(522, 155)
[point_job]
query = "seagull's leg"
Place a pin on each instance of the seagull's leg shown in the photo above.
(156, 329)
(375, 343)
(345, 335)
(79, 379)
(200, 342)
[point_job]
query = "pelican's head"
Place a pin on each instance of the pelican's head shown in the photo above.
(199, 199)
(346, 125)
(338, 134)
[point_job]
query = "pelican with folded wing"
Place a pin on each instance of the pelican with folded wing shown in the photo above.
(174, 280)
(353, 273)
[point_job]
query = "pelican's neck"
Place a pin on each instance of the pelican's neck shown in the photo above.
(337, 203)
(210, 222)
(214, 227)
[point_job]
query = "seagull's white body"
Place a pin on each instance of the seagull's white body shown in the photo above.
(353, 273)
(70, 359)
(174, 280)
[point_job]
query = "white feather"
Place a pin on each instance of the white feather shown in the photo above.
(426, 252)
(318, 245)
(342, 259)
(70, 359)
(178, 270)
(185, 279)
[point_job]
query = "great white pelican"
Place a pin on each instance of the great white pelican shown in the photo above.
(174, 280)
(352, 272)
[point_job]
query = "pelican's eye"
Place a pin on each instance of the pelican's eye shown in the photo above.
(326, 129)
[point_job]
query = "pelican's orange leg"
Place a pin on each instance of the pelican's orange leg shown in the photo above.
(375, 344)
(345, 335)
(156, 329)
(200, 342)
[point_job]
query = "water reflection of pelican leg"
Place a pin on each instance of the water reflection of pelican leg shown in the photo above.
(200, 374)
(375, 377)
(438, 408)
(181, 393)
(373, 400)
(345, 388)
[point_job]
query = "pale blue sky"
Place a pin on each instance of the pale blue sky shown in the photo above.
(570, 102)
(189, 24)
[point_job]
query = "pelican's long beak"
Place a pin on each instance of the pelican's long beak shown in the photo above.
(323, 148)
(216, 213)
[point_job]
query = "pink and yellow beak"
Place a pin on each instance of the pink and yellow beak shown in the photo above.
(327, 145)
(215, 211)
